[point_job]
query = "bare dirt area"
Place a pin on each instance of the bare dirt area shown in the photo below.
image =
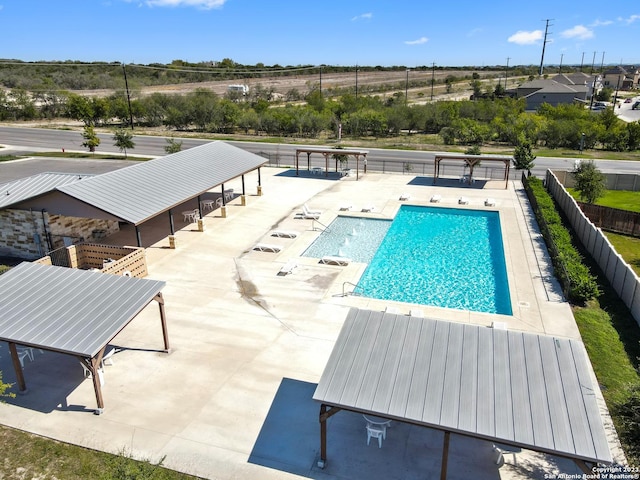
(380, 81)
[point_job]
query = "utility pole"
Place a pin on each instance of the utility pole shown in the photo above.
(126, 84)
(544, 44)
(433, 77)
(321, 81)
(560, 68)
(356, 81)
(506, 70)
(582, 62)
(602, 63)
(406, 89)
(593, 62)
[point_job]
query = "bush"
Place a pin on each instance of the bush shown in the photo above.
(628, 414)
(574, 275)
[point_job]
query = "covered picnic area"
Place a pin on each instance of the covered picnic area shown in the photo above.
(71, 311)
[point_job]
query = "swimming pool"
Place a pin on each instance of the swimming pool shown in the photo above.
(445, 257)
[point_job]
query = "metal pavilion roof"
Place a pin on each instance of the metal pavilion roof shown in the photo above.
(29, 187)
(137, 193)
(68, 310)
(521, 389)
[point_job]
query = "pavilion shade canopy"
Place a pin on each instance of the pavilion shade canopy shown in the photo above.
(140, 192)
(521, 389)
(68, 310)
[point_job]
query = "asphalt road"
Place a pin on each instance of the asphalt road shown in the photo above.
(21, 140)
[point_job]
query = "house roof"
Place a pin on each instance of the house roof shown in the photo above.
(69, 310)
(576, 78)
(521, 389)
(25, 188)
(139, 192)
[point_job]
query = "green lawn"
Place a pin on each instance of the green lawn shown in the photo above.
(622, 199)
(628, 247)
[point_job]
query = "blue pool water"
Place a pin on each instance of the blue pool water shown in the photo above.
(445, 257)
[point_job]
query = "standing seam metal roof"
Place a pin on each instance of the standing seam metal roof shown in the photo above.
(142, 191)
(521, 389)
(29, 187)
(68, 310)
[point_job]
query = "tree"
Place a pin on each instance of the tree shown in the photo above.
(173, 146)
(590, 182)
(123, 139)
(91, 140)
(523, 157)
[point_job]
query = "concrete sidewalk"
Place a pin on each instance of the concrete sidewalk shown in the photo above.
(233, 398)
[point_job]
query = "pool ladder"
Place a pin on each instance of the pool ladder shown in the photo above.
(313, 225)
(352, 292)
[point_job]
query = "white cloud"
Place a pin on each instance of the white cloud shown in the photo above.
(526, 38)
(419, 41)
(364, 16)
(601, 23)
(630, 19)
(204, 4)
(474, 32)
(579, 31)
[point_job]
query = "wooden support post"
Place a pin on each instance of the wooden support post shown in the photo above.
(163, 320)
(445, 456)
(96, 375)
(323, 436)
(22, 386)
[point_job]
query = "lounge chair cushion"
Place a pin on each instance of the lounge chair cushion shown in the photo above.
(265, 247)
(341, 261)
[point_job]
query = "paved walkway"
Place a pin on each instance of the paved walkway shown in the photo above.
(233, 398)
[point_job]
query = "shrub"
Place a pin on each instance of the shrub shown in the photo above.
(574, 275)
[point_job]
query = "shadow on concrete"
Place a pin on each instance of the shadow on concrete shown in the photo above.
(478, 184)
(304, 173)
(50, 378)
(289, 441)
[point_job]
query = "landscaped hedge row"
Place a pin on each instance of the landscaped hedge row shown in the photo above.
(578, 282)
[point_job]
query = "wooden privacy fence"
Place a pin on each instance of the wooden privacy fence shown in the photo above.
(612, 219)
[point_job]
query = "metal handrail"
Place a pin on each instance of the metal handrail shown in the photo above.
(313, 225)
(353, 292)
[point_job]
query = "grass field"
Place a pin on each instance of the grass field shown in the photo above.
(622, 199)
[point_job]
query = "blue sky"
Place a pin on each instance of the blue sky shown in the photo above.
(334, 32)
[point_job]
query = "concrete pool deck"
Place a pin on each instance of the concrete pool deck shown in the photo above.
(233, 398)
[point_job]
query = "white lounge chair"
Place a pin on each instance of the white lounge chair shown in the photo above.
(340, 261)
(391, 310)
(416, 312)
(463, 201)
(266, 247)
(368, 209)
(489, 202)
(284, 234)
(306, 209)
(436, 198)
(306, 213)
(404, 196)
(346, 207)
(288, 267)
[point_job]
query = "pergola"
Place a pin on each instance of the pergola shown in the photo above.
(472, 161)
(329, 152)
(514, 388)
(71, 311)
